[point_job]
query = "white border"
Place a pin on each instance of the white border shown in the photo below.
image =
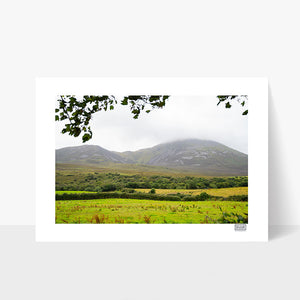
(48, 88)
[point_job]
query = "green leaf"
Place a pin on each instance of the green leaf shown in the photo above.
(86, 137)
(227, 105)
(56, 110)
(124, 101)
(245, 112)
(56, 118)
(77, 131)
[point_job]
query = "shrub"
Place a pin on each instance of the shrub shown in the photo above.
(109, 187)
(87, 189)
(237, 198)
(130, 191)
(188, 198)
(152, 191)
(203, 196)
(132, 185)
(191, 185)
(213, 186)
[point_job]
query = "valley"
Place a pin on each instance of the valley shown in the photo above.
(190, 181)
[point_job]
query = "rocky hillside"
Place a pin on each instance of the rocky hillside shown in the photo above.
(200, 156)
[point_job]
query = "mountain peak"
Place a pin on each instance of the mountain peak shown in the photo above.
(91, 154)
(200, 156)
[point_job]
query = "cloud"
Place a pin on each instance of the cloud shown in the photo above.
(182, 117)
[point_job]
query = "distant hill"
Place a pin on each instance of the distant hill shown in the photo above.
(197, 156)
(87, 154)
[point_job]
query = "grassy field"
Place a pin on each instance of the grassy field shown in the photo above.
(124, 169)
(149, 211)
(213, 192)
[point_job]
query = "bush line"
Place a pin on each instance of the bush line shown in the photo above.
(144, 196)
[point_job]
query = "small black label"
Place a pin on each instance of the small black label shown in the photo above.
(240, 227)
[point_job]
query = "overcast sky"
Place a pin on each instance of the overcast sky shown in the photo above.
(183, 117)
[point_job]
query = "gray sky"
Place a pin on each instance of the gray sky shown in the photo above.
(182, 117)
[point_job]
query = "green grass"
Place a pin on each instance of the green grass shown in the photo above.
(149, 211)
(125, 169)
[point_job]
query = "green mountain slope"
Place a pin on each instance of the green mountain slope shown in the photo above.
(87, 154)
(192, 154)
(196, 156)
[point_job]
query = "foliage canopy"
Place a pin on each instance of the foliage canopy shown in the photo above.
(243, 100)
(78, 112)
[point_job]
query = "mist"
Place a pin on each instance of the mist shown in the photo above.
(183, 117)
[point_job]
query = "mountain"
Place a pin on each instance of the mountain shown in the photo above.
(87, 154)
(192, 155)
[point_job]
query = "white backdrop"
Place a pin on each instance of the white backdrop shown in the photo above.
(147, 38)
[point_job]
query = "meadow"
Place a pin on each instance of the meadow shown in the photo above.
(222, 192)
(132, 211)
(87, 195)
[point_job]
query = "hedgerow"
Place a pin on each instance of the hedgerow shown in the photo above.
(103, 195)
(147, 196)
